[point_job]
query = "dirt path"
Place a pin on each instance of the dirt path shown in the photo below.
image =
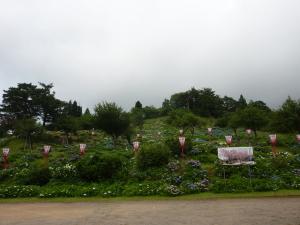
(265, 211)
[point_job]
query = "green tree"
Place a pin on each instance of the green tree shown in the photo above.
(25, 128)
(49, 106)
(253, 118)
(242, 103)
(138, 105)
(184, 119)
(21, 101)
(260, 105)
(287, 118)
(112, 119)
(28, 101)
(137, 117)
(166, 107)
(202, 102)
(229, 104)
(67, 124)
(86, 120)
(234, 121)
(72, 109)
(151, 112)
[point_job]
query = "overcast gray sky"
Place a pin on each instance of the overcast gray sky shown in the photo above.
(125, 50)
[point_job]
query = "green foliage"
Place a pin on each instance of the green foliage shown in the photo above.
(99, 167)
(21, 101)
(184, 119)
(28, 101)
(253, 118)
(36, 174)
(137, 117)
(242, 103)
(202, 102)
(25, 128)
(143, 189)
(71, 109)
(68, 124)
(138, 105)
(16, 191)
(287, 118)
(153, 156)
(151, 112)
(239, 184)
(64, 173)
(111, 119)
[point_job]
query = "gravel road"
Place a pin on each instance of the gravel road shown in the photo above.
(265, 211)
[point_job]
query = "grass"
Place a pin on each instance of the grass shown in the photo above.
(201, 196)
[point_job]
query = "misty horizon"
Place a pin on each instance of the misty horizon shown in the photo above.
(124, 51)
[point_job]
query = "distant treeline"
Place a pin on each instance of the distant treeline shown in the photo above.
(28, 108)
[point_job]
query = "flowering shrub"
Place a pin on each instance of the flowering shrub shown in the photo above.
(17, 191)
(173, 166)
(194, 163)
(143, 189)
(63, 172)
(173, 190)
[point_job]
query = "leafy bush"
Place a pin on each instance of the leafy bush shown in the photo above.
(281, 161)
(143, 189)
(153, 156)
(173, 190)
(235, 184)
(17, 191)
(101, 166)
(6, 174)
(37, 174)
(68, 171)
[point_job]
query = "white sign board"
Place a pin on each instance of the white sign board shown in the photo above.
(236, 156)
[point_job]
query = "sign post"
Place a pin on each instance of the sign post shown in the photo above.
(136, 146)
(273, 141)
(298, 138)
(182, 145)
(181, 140)
(209, 130)
(46, 151)
(228, 140)
(5, 153)
(249, 132)
(236, 156)
(82, 148)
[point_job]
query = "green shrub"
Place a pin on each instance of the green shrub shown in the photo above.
(281, 161)
(37, 174)
(234, 184)
(153, 156)
(101, 166)
(143, 189)
(6, 174)
(17, 191)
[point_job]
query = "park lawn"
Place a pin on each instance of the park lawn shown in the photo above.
(199, 196)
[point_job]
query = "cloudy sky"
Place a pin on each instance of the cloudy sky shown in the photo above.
(125, 50)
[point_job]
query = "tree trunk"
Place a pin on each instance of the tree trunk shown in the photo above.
(255, 133)
(193, 131)
(30, 141)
